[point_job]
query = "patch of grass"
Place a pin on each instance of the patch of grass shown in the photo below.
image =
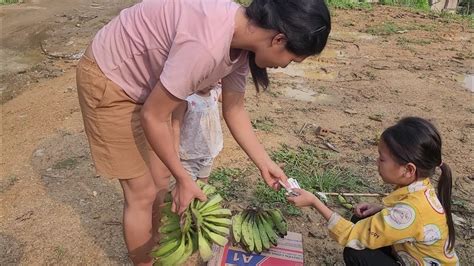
(68, 163)
(384, 29)
(349, 4)
(313, 172)
(417, 4)
(60, 252)
(264, 124)
(402, 41)
(8, 182)
(228, 182)
(7, 2)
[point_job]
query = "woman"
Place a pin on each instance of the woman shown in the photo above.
(147, 60)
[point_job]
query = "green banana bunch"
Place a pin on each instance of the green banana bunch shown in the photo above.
(200, 226)
(257, 230)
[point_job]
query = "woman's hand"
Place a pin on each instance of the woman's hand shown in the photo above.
(272, 174)
(184, 193)
(304, 199)
(365, 209)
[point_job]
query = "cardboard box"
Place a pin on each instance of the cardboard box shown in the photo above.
(288, 252)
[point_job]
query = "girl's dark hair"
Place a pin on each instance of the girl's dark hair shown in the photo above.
(305, 23)
(415, 140)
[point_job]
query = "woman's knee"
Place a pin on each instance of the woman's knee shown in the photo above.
(139, 193)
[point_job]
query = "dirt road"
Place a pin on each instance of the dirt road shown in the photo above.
(380, 65)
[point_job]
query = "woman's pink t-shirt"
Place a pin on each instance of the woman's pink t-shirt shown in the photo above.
(185, 44)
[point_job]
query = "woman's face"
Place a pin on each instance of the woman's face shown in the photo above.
(276, 55)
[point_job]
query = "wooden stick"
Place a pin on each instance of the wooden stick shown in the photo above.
(355, 194)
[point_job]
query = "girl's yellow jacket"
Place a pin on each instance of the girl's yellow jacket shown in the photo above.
(413, 222)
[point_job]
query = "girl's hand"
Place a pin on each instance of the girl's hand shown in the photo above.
(304, 199)
(272, 174)
(365, 209)
(184, 194)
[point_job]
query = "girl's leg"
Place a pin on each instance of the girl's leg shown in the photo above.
(140, 194)
(380, 256)
(366, 257)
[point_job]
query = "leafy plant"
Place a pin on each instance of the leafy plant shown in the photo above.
(311, 168)
(228, 182)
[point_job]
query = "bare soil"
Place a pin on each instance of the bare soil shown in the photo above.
(54, 210)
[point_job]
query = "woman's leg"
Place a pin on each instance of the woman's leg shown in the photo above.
(161, 179)
(140, 194)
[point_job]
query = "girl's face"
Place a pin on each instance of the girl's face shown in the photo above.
(275, 54)
(389, 169)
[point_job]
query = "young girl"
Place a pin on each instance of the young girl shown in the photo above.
(414, 225)
(198, 132)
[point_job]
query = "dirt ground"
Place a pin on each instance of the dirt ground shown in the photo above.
(380, 65)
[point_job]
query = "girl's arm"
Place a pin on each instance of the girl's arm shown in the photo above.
(239, 125)
(156, 121)
(391, 225)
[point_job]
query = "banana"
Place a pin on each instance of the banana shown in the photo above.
(268, 226)
(169, 227)
(217, 229)
(204, 247)
(279, 221)
(166, 209)
(247, 236)
(218, 221)
(208, 189)
(187, 221)
(216, 199)
(169, 219)
(188, 250)
(213, 208)
(197, 217)
(237, 227)
(164, 238)
(173, 257)
(218, 212)
(263, 234)
(256, 235)
(167, 247)
(216, 238)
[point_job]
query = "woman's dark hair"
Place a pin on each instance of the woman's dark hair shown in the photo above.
(415, 140)
(305, 23)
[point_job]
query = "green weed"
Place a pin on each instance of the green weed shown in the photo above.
(313, 172)
(384, 29)
(7, 2)
(228, 182)
(349, 4)
(68, 163)
(402, 41)
(264, 124)
(417, 4)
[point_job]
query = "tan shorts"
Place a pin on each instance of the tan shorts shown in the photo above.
(112, 123)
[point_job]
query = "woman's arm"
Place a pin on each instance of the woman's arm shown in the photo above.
(177, 121)
(239, 125)
(156, 121)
